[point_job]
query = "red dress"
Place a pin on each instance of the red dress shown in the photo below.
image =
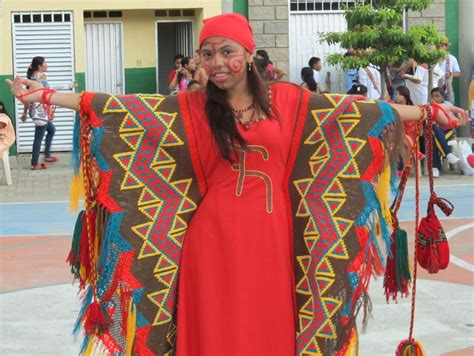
(236, 285)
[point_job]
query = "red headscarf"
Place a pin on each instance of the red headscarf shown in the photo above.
(232, 26)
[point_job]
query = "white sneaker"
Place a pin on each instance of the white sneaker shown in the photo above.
(452, 159)
(435, 172)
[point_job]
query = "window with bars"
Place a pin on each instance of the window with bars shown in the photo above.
(41, 17)
(324, 5)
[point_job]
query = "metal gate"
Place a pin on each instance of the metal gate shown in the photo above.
(50, 35)
(104, 57)
(308, 19)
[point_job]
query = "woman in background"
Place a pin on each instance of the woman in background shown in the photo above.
(41, 118)
(308, 79)
(272, 71)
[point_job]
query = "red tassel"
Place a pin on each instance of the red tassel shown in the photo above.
(410, 347)
(87, 246)
(390, 277)
(96, 322)
(433, 265)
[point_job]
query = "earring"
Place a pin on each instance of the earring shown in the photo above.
(250, 67)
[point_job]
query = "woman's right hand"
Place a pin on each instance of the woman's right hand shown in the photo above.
(18, 89)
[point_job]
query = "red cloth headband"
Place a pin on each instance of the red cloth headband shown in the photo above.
(232, 26)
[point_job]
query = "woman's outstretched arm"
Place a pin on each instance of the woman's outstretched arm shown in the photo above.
(411, 113)
(33, 95)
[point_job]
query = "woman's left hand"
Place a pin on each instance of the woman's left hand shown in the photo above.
(457, 115)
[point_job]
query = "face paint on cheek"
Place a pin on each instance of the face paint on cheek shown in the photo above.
(236, 63)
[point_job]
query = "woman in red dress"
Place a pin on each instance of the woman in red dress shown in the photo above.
(237, 284)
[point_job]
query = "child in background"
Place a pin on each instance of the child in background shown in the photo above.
(441, 149)
(7, 132)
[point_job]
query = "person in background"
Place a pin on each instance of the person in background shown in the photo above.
(200, 74)
(350, 74)
(184, 75)
(403, 96)
(176, 66)
(315, 64)
(358, 89)
(194, 85)
(370, 78)
(441, 149)
(396, 80)
(416, 79)
(41, 118)
(308, 79)
(272, 71)
(450, 67)
(7, 132)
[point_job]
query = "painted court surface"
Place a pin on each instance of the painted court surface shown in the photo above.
(38, 303)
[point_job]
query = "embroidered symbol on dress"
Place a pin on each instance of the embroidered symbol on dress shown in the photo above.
(243, 172)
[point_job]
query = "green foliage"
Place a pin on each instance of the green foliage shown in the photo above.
(376, 32)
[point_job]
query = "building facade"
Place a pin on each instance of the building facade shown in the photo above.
(118, 46)
(128, 46)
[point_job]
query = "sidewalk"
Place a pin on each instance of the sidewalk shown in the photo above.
(52, 184)
(36, 283)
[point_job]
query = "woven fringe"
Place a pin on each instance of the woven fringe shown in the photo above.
(76, 145)
(76, 192)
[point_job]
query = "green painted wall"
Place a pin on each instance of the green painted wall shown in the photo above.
(140, 80)
(451, 9)
(81, 82)
(241, 7)
(7, 98)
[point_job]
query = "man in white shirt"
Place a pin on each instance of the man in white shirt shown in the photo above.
(370, 77)
(315, 64)
(417, 82)
(450, 67)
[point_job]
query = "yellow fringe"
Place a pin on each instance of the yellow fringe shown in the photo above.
(76, 192)
(90, 349)
(383, 192)
(353, 347)
(131, 326)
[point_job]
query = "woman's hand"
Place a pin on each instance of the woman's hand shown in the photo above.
(458, 115)
(18, 89)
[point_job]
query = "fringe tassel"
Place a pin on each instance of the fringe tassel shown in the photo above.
(88, 256)
(383, 190)
(397, 276)
(90, 348)
(410, 347)
(131, 327)
(352, 346)
(76, 192)
(402, 263)
(74, 257)
(76, 145)
(95, 320)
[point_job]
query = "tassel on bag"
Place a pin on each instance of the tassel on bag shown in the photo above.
(433, 247)
(397, 276)
(410, 347)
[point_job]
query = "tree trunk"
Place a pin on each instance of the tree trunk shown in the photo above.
(383, 82)
(430, 81)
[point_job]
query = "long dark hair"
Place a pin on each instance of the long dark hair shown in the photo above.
(308, 77)
(264, 54)
(184, 62)
(221, 118)
(405, 92)
(34, 66)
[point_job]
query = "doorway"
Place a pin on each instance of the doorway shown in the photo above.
(104, 57)
(172, 38)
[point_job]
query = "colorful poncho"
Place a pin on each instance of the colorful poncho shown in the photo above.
(143, 179)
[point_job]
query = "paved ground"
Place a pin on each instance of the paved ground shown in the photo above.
(38, 303)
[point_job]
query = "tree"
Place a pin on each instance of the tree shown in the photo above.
(376, 32)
